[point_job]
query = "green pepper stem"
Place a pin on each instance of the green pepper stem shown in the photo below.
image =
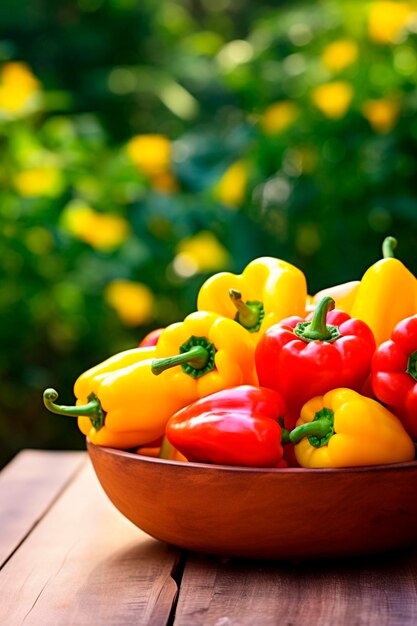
(93, 409)
(197, 357)
(388, 246)
(318, 432)
(317, 329)
(319, 428)
(285, 436)
(248, 316)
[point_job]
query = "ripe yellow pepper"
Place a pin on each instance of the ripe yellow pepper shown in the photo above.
(120, 403)
(212, 353)
(268, 290)
(344, 295)
(345, 429)
(387, 294)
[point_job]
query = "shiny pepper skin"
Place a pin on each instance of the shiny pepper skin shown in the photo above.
(301, 367)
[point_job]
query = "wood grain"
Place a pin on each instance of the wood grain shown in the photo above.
(86, 564)
(378, 591)
(83, 563)
(28, 486)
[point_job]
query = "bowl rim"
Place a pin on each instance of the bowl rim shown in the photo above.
(405, 465)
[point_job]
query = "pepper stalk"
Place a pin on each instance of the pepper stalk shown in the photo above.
(196, 358)
(317, 329)
(93, 409)
(318, 432)
(250, 313)
(388, 246)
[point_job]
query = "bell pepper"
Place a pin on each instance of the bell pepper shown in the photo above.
(120, 403)
(203, 354)
(387, 294)
(267, 290)
(236, 426)
(305, 358)
(345, 429)
(394, 373)
(344, 295)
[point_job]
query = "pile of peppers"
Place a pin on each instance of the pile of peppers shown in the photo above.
(263, 374)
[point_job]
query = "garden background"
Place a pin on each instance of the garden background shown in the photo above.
(146, 145)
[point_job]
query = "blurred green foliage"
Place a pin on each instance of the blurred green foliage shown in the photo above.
(283, 129)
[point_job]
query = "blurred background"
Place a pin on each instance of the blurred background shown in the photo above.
(146, 145)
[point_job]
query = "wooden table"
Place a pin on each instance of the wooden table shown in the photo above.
(69, 557)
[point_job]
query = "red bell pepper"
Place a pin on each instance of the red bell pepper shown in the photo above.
(305, 358)
(394, 373)
(236, 426)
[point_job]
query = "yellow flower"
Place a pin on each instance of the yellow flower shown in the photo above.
(278, 117)
(387, 20)
(132, 301)
(150, 153)
(15, 73)
(201, 253)
(340, 54)
(231, 188)
(18, 88)
(381, 114)
(102, 231)
(333, 99)
(39, 181)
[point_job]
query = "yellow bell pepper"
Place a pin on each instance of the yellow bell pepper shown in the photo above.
(82, 386)
(120, 403)
(268, 290)
(343, 295)
(345, 429)
(387, 294)
(212, 353)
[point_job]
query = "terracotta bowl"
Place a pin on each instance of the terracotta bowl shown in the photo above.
(263, 513)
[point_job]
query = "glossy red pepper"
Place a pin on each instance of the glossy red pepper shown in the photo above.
(306, 358)
(236, 426)
(394, 373)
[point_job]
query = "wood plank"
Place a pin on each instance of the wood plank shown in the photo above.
(381, 591)
(28, 486)
(86, 564)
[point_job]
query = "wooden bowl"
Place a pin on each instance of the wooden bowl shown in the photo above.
(263, 513)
